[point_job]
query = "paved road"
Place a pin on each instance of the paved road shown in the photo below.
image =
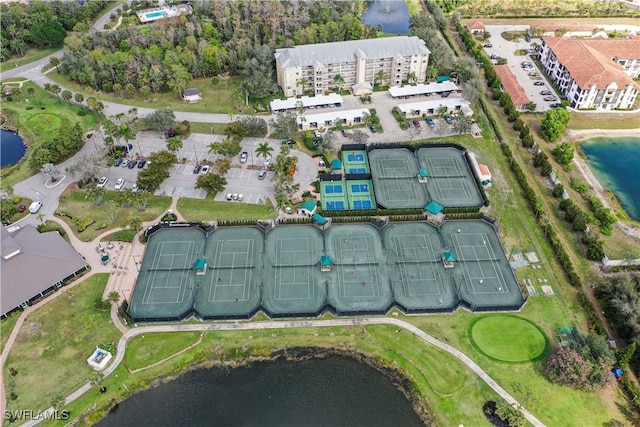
(122, 344)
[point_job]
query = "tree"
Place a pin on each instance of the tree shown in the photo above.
(78, 97)
(54, 61)
(222, 166)
(564, 153)
(379, 78)
(359, 137)
(174, 144)
(51, 170)
(553, 124)
(114, 296)
(163, 159)
(462, 124)
(97, 378)
(339, 80)
(150, 178)
(624, 356)
(140, 199)
(66, 95)
(282, 200)
(326, 146)
(135, 223)
(254, 126)
(257, 71)
(111, 211)
(160, 120)
(31, 91)
(567, 367)
(285, 125)
(87, 168)
(58, 401)
(264, 150)
(229, 147)
(7, 210)
(212, 183)
(95, 193)
(124, 197)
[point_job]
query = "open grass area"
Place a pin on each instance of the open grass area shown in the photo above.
(206, 128)
(609, 120)
(19, 215)
(508, 338)
(145, 350)
(6, 326)
(216, 99)
(207, 210)
(414, 6)
(33, 54)
(73, 200)
(37, 120)
(50, 351)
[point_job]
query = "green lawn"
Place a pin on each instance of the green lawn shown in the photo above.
(18, 216)
(51, 349)
(36, 121)
(611, 120)
(32, 55)
(216, 99)
(207, 210)
(508, 338)
(6, 326)
(201, 127)
(72, 200)
(145, 350)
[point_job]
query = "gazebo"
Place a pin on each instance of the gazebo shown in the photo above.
(336, 164)
(423, 174)
(200, 267)
(308, 208)
(434, 211)
(325, 263)
(448, 258)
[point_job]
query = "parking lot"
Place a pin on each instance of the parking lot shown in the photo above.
(506, 49)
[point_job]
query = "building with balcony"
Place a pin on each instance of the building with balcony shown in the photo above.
(317, 68)
(589, 74)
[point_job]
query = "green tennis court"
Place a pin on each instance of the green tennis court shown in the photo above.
(451, 181)
(395, 181)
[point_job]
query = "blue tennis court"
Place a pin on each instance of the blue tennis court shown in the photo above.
(335, 206)
(364, 204)
(359, 188)
(333, 189)
(355, 157)
(357, 170)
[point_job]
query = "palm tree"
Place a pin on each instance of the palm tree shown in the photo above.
(303, 82)
(339, 80)
(56, 89)
(31, 91)
(379, 78)
(78, 97)
(66, 95)
(174, 143)
(264, 150)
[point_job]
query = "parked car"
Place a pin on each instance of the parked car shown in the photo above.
(119, 184)
(196, 169)
(262, 175)
(550, 98)
(125, 162)
(410, 124)
(132, 164)
(243, 157)
(373, 129)
(533, 74)
(538, 83)
(267, 161)
(487, 45)
(240, 197)
(545, 92)
(235, 196)
(344, 133)
(527, 39)
(134, 187)
(555, 105)
(448, 118)
(430, 122)
(22, 208)
(102, 182)
(204, 170)
(35, 207)
(141, 163)
(229, 196)
(416, 123)
(118, 162)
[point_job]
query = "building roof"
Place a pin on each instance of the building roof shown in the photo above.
(484, 171)
(307, 101)
(434, 208)
(45, 259)
(450, 103)
(200, 264)
(449, 256)
(420, 89)
(325, 260)
(319, 219)
(309, 205)
(322, 118)
(336, 164)
(615, 48)
(191, 92)
(423, 172)
(362, 88)
(476, 25)
(327, 53)
(587, 65)
(511, 86)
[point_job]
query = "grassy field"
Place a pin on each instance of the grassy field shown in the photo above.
(36, 121)
(18, 216)
(508, 338)
(207, 210)
(72, 200)
(199, 127)
(414, 6)
(604, 121)
(216, 99)
(146, 349)
(32, 55)
(51, 349)
(6, 326)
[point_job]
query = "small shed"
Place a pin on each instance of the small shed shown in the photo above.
(99, 359)
(319, 219)
(434, 208)
(336, 165)
(476, 27)
(448, 258)
(191, 95)
(423, 175)
(361, 89)
(440, 79)
(200, 267)
(308, 208)
(325, 263)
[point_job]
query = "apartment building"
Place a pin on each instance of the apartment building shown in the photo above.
(317, 68)
(590, 73)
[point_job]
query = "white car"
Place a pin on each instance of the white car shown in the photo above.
(240, 197)
(235, 196)
(204, 170)
(125, 162)
(267, 162)
(119, 184)
(134, 187)
(103, 181)
(229, 196)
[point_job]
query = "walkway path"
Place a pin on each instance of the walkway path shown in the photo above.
(122, 344)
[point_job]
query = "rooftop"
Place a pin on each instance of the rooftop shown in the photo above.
(511, 85)
(420, 89)
(307, 101)
(476, 25)
(322, 118)
(450, 103)
(327, 53)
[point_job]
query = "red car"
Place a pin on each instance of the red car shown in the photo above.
(416, 123)
(22, 208)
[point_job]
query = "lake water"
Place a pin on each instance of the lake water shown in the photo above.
(12, 148)
(334, 391)
(616, 164)
(393, 16)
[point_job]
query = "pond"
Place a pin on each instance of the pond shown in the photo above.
(333, 391)
(12, 148)
(392, 16)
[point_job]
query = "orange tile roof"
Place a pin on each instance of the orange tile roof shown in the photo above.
(619, 48)
(476, 25)
(484, 169)
(511, 85)
(586, 64)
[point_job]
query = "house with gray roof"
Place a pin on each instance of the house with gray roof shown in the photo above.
(317, 68)
(32, 265)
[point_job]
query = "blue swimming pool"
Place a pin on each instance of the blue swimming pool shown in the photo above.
(151, 15)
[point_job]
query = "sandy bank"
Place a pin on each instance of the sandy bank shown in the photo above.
(580, 134)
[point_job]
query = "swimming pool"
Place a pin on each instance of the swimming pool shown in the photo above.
(155, 15)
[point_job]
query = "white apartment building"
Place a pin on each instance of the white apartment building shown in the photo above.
(391, 61)
(589, 75)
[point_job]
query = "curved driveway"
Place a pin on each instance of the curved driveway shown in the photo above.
(122, 344)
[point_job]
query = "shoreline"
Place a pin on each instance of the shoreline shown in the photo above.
(578, 135)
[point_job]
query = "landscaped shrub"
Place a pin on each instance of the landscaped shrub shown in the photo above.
(124, 235)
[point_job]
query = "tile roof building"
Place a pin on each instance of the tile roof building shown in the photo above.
(511, 86)
(315, 66)
(593, 73)
(34, 264)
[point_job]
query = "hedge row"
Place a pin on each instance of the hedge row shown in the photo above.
(81, 224)
(373, 212)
